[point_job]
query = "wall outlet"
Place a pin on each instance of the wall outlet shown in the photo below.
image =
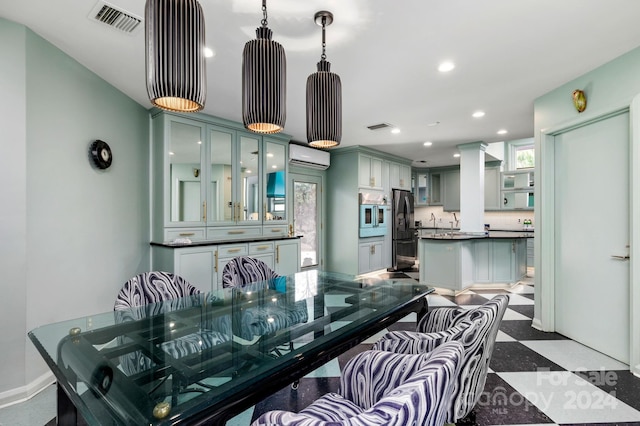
(518, 220)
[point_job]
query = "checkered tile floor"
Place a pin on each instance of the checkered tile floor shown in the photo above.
(535, 378)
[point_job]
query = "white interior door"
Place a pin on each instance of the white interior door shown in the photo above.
(592, 225)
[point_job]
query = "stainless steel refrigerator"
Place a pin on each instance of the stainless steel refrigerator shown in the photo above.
(404, 247)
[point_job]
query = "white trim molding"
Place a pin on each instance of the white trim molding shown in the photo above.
(23, 393)
(544, 318)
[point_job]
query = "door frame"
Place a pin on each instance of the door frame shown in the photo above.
(544, 243)
(320, 180)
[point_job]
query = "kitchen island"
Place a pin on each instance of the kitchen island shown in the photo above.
(458, 260)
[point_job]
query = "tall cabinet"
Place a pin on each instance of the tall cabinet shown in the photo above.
(213, 180)
(354, 170)
(218, 192)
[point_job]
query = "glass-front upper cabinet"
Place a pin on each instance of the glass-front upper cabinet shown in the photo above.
(517, 180)
(184, 153)
(275, 181)
(221, 207)
(518, 190)
(421, 189)
(249, 178)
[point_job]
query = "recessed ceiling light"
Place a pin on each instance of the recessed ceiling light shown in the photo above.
(502, 132)
(208, 52)
(171, 153)
(395, 130)
(269, 154)
(274, 167)
(248, 171)
(456, 155)
(446, 66)
(478, 114)
(428, 143)
(435, 123)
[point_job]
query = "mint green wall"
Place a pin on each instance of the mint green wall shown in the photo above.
(608, 87)
(13, 206)
(80, 232)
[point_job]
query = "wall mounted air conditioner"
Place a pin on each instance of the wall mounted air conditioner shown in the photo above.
(308, 157)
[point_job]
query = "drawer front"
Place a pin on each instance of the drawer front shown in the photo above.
(276, 231)
(194, 234)
(232, 250)
(261, 248)
(246, 232)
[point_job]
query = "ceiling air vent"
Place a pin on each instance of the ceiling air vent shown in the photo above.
(115, 18)
(379, 126)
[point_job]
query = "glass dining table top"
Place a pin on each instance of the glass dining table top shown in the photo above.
(205, 358)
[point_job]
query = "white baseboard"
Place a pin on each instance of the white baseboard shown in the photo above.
(23, 393)
(537, 324)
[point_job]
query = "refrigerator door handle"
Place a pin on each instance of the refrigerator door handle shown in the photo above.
(407, 207)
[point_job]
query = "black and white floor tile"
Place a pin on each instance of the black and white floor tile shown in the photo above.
(536, 377)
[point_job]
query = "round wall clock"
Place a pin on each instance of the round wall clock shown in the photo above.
(101, 154)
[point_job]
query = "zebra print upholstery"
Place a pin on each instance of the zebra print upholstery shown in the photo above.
(248, 274)
(476, 329)
(153, 293)
(243, 270)
(383, 388)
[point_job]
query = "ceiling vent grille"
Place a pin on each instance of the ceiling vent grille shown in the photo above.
(115, 18)
(379, 126)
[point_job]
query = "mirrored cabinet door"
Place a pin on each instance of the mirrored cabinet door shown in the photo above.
(185, 172)
(275, 182)
(248, 204)
(221, 206)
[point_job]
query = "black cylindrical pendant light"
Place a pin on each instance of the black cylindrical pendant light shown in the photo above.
(264, 86)
(175, 65)
(324, 98)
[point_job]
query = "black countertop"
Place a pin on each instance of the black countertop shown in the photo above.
(219, 242)
(448, 236)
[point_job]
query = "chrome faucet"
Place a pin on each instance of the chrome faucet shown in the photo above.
(433, 218)
(456, 220)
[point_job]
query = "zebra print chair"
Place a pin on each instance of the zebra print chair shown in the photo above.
(153, 293)
(476, 329)
(248, 274)
(383, 388)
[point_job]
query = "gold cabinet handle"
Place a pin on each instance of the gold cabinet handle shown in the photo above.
(262, 247)
(235, 232)
(216, 261)
(373, 250)
(236, 250)
(204, 211)
(264, 211)
(277, 254)
(238, 212)
(187, 234)
(276, 230)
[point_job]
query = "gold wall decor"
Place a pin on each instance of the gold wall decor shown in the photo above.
(579, 100)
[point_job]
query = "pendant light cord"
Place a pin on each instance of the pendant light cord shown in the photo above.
(264, 14)
(324, 41)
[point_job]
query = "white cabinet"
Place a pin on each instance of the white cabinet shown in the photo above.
(209, 173)
(370, 255)
(202, 265)
(287, 256)
(399, 176)
(369, 172)
(451, 186)
(492, 178)
(530, 257)
(195, 264)
(446, 264)
(518, 190)
(499, 260)
(421, 190)
(435, 189)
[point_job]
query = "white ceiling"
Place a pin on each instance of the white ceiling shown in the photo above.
(507, 53)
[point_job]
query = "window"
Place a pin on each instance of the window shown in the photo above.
(525, 157)
(520, 154)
